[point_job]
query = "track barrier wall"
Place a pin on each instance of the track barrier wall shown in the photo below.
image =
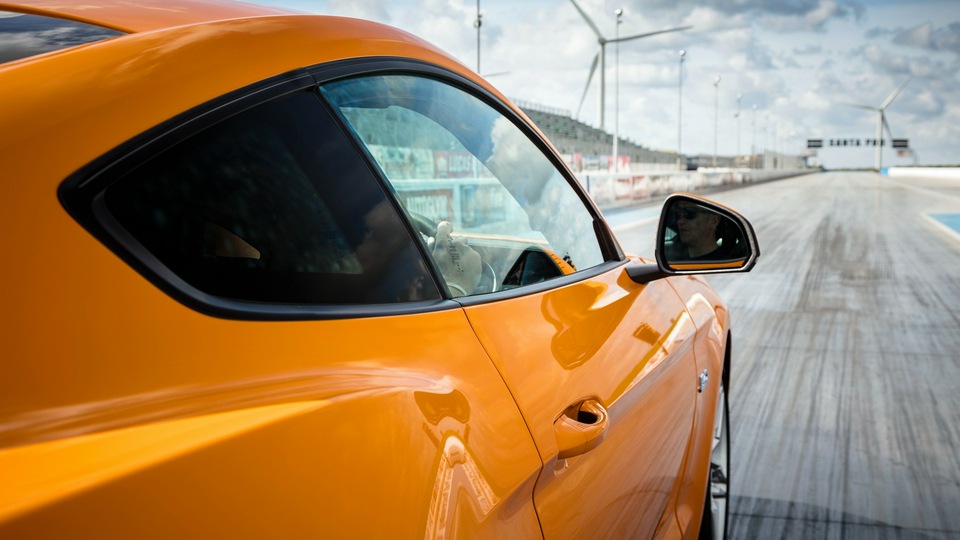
(613, 190)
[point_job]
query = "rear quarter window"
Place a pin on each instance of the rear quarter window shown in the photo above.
(272, 205)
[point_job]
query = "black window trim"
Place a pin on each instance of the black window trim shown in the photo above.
(82, 194)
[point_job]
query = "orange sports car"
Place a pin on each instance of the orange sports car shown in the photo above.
(278, 275)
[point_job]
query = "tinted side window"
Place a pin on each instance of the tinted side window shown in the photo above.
(273, 205)
(494, 212)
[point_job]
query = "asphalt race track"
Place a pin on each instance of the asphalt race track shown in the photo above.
(845, 398)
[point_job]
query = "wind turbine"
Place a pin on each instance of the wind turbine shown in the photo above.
(881, 119)
(600, 58)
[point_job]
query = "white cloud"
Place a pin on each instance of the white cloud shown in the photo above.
(826, 10)
(918, 36)
(363, 9)
(812, 101)
(886, 61)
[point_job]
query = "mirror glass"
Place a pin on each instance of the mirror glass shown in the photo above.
(697, 237)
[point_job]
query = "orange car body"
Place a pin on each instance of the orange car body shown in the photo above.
(125, 413)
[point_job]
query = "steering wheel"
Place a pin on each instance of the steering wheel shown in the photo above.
(488, 277)
(423, 224)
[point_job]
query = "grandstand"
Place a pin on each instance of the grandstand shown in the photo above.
(588, 148)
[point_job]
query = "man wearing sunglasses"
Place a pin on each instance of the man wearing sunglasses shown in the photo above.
(697, 233)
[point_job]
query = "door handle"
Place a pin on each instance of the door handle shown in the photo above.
(580, 428)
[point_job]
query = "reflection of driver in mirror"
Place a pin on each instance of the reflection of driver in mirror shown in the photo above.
(702, 235)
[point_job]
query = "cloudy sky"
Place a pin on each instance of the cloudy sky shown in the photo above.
(796, 60)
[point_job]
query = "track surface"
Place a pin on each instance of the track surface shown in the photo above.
(845, 390)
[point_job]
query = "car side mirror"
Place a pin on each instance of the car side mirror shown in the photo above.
(699, 236)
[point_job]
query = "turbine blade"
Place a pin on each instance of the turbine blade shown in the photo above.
(593, 68)
(648, 34)
(589, 22)
(895, 93)
(859, 106)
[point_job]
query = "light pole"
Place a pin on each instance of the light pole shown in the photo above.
(794, 147)
(753, 147)
(776, 145)
(766, 137)
(716, 117)
(616, 95)
(477, 23)
(680, 114)
(739, 125)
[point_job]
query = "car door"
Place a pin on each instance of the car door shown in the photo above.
(283, 364)
(601, 368)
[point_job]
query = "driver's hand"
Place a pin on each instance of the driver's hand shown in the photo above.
(458, 262)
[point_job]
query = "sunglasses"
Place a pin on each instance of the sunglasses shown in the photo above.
(687, 213)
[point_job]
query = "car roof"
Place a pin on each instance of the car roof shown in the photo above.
(141, 16)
